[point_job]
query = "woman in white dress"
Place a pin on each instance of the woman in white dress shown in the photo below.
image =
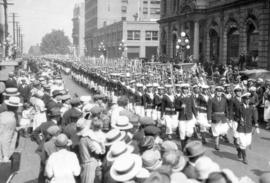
(40, 110)
(266, 100)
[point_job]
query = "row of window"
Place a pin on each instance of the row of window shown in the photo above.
(152, 2)
(136, 35)
(153, 11)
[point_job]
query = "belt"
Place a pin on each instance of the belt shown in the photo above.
(169, 109)
(201, 107)
(219, 113)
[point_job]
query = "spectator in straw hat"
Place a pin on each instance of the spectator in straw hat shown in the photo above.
(204, 167)
(8, 121)
(63, 165)
(126, 167)
(151, 160)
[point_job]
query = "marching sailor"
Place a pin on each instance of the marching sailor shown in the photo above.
(202, 104)
(217, 113)
(138, 100)
(247, 114)
(148, 101)
(185, 106)
(168, 113)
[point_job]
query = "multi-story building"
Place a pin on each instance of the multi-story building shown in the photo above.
(102, 13)
(140, 39)
(78, 29)
(218, 30)
(2, 22)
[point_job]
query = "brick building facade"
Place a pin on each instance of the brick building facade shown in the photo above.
(219, 30)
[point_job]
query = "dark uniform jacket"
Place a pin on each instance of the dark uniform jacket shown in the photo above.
(157, 102)
(185, 113)
(235, 105)
(167, 106)
(246, 117)
(148, 102)
(202, 103)
(138, 99)
(217, 111)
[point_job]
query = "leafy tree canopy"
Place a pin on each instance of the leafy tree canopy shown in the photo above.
(55, 42)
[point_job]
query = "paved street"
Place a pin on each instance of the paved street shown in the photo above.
(258, 155)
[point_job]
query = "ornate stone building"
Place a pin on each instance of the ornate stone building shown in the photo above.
(219, 30)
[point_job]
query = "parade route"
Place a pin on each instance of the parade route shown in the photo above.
(258, 155)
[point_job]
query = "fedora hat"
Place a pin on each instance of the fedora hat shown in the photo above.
(175, 159)
(151, 160)
(194, 149)
(126, 167)
(122, 123)
(118, 149)
(11, 92)
(62, 141)
(13, 101)
(113, 136)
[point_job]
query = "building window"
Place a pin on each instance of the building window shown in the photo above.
(145, 2)
(124, 18)
(134, 35)
(124, 1)
(151, 35)
(145, 10)
(155, 11)
(155, 2)
(124, 9)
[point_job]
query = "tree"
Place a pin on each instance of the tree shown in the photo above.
(55, 43)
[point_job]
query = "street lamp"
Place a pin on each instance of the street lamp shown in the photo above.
(122, 47)
(102, 48)
(182, 44)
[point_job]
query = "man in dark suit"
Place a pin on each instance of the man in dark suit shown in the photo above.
(73, 114)
(217, 114)
(25, 90)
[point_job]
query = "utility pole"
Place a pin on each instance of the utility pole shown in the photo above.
(17, 34)
(14, 28)
(21, 41)
(6, 4)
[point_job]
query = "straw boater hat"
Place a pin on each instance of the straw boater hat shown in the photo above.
(11, 92)
(113, 136)
(151, 160)
(126, 167)
(119, 149)
(13, 101)
(122, 123)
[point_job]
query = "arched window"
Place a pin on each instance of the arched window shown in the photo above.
(252, 42)
(214, 45)
(232, 45)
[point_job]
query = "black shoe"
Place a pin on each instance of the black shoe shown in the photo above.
(217, 147)
(239, 155)
(204, 141)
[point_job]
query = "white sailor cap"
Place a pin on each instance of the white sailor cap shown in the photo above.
(246, 95)
(139, 85)
(237, 88)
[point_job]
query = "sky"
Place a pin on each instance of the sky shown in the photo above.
(38, 17)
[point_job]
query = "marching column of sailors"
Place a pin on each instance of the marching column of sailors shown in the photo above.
(189, 109)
